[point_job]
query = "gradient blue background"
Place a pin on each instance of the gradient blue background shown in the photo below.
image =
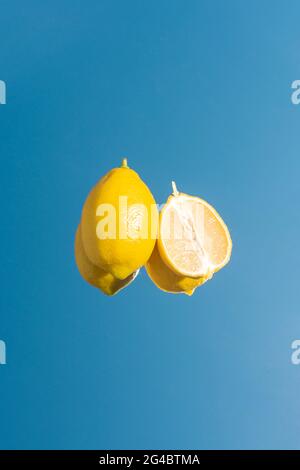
(195, 91)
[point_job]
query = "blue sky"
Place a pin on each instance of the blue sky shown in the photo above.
(198, 92)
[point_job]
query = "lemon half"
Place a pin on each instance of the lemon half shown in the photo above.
(193, 244)
(193, 239)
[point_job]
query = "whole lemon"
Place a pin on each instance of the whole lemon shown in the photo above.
(94, 275)
(119, 223)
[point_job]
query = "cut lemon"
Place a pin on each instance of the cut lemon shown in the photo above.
(193, 239)
(167, 280)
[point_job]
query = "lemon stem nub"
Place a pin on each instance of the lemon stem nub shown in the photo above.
(175, 191)
(124, 163)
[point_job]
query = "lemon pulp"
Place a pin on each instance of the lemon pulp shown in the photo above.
(193, 239)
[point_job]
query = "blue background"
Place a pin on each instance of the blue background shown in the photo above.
(198, 92)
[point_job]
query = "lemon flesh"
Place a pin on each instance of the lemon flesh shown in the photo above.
(193, 239)
(167, 280)
(127, 237)
(94, 275)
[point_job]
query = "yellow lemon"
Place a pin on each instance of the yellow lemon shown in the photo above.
(94, 275)
(193, 244)
(119, 223)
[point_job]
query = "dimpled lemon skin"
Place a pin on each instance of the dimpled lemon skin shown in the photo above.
(95, 276)
(116, 255)
(166, 279)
